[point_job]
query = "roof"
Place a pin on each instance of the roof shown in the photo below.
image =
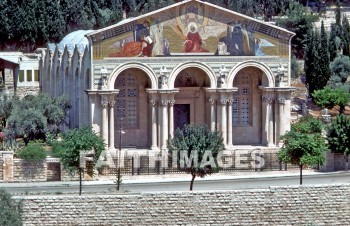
(76, 38)
(112, 30)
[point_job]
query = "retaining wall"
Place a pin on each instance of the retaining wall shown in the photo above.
(295, 205)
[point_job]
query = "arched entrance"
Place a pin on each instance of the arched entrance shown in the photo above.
(131, 108)
(247, 107)
(190, 105)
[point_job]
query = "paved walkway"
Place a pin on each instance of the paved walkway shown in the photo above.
(171, 178)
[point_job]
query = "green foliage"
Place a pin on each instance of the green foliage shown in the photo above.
(197, 138)
(304, 144)
(74, 141)
(322, 69)
(33, 152)
(33, 116)
(29, 24)
(10, 210)
(295, 68)
(333, 43)
(308, 124)
(338, 135)
(300, 21)
(329, 98)
(340, 69)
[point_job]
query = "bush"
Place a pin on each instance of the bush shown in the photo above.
(338, 135)
(10, 210)
(33, 152)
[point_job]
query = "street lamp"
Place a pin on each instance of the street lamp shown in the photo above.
(119, 152)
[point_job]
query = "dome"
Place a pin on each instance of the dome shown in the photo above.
(76, 38)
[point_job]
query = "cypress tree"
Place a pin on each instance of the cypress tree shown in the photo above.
(332, 47)
(338, 16)
(324, 72)
(345, 35)
(309, 68)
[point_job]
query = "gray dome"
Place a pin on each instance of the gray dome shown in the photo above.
(76, 38)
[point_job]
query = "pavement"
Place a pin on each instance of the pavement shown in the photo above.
(167, 178)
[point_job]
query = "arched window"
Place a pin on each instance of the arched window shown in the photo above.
(241, 106)
(126, 100)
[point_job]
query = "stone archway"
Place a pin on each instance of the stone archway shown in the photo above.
(247, 108)
(190, 102)
(132, 108)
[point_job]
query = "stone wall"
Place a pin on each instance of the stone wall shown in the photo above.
(294, 205)
(18, 170)
(335, 162)
(28, 171)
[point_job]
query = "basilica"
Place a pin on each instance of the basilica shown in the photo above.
(189, 63)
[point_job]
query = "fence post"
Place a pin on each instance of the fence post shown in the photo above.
(280, 165)
(132, 166)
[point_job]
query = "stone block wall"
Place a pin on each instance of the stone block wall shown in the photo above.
(28, 171)
(293, 205)
(18, 170)
(335, 162)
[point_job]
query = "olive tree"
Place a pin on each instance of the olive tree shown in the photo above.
(197, 148)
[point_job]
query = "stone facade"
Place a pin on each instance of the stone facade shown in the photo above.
(294, 205)
(245, 95)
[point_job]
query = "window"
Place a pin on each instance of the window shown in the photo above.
(36, 76)
(29, 76)
(241, 106)
(21, 76)
(126, 102)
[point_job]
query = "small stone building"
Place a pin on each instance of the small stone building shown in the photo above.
(191, 62)
(19, 74)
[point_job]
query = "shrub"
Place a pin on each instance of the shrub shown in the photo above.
(33, 152)
(10, 210)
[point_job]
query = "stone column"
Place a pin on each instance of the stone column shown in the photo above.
(164, 126)
(281, 120)
(111, 124)
(269, 118)
(171, 117)
(223, 103)
(212, 114)
(154, 124)
(229, 122)
(104, 132)
(264, 123)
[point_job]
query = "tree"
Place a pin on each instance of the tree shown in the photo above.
(73, 143)
(322, 70)
(33, 116)
(338, 135)
(333, 46)
(329, 98)
(345, 35)
(199, 147)
(300, 21)
(10, 210)
(303, 145)
(340, 69)
(295, 68)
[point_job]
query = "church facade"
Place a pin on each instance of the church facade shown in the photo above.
(188, 63)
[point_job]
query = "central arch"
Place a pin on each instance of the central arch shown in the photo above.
(205, 68)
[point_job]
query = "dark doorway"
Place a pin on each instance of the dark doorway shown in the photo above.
(181, 115)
